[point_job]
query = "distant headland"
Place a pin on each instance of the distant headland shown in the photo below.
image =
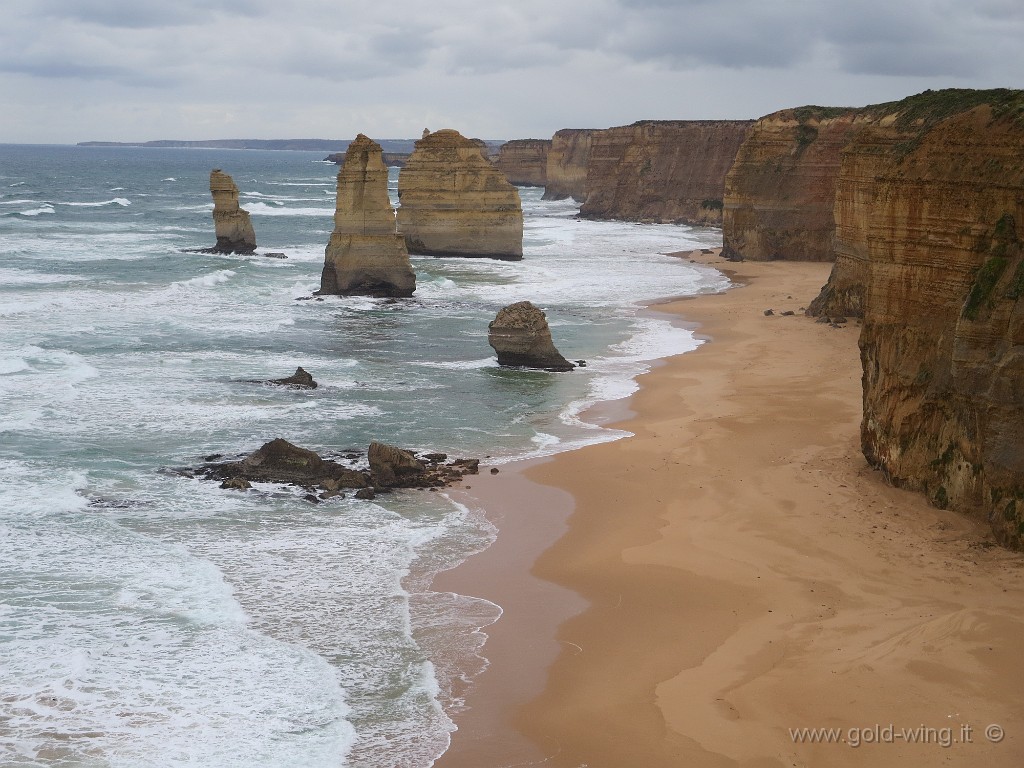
(404, 146)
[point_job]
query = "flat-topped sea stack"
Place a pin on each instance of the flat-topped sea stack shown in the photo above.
(568, 160)
(454, 202)
(521, 337)
(525, 161)
(366, 256)
(231, 223)
(662, 170)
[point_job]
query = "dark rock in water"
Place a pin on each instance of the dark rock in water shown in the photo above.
(391, 466)
(274, 256)
(366, 494)
(581, 363)
(282, 462)
(434, 458)
(301, 379)
(519, 334)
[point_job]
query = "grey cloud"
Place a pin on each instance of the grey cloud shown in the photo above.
(137, 14)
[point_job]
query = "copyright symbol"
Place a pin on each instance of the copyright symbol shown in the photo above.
(994, 733)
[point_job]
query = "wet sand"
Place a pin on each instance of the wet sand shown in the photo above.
(687, 596)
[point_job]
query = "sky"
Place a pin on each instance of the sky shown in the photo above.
(139, 70)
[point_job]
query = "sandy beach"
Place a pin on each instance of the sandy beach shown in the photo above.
(695, 594)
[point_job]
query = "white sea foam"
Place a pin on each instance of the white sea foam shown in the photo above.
(262, 209)
(122, 201)
(41, 210)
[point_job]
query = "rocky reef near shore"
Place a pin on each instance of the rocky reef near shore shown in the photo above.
(389, 467)
(232, 225)
(662, 170)
(455, 202)
(365, 256)
(525, 161)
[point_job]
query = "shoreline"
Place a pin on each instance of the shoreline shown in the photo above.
(734, 570)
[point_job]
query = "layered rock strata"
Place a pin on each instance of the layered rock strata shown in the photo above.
(520, 336)
(568, 162)
(525, 161)
(365, 256)
(939, 219)
(665, 171)
(454, 202)
(231, 223)
(781, 189)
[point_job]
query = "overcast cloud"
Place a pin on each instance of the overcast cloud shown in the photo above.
(76, 70)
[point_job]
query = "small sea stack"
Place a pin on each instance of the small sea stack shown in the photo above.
(521, 337)
(455, 202)
(231, 223)
(365, 256)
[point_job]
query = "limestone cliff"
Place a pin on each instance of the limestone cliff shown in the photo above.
(939, 218)
(454, 202)
(366, 255)
(780, 191)
(525, 161)
(231, 223)
(568, 160)
(666, 170)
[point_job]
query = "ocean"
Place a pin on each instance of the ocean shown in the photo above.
(150, 620)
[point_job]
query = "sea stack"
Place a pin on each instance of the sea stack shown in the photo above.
(521, 337)
(366, 256)
(231, 223)
(454, 202)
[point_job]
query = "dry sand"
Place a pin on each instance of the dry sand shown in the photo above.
(744, 573)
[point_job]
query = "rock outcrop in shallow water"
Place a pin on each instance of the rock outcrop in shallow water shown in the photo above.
(280, 461)
(231, 223)
(662, 170)
(366, 256)
(521, 337)
(525, 161)
(454, 202)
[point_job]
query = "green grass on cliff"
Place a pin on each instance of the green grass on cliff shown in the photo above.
(930, 107)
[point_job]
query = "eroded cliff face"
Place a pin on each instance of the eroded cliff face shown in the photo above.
(940, 226)
(568, 161)
(365, 256)
(525, 161)
(231, 223)
(667, 171)
(780, 191)
(454, 202)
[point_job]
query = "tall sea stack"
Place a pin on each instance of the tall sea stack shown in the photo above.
(366, 256)
(454, 202)
(231, 223)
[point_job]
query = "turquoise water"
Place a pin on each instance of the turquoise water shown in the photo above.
(147, 619)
